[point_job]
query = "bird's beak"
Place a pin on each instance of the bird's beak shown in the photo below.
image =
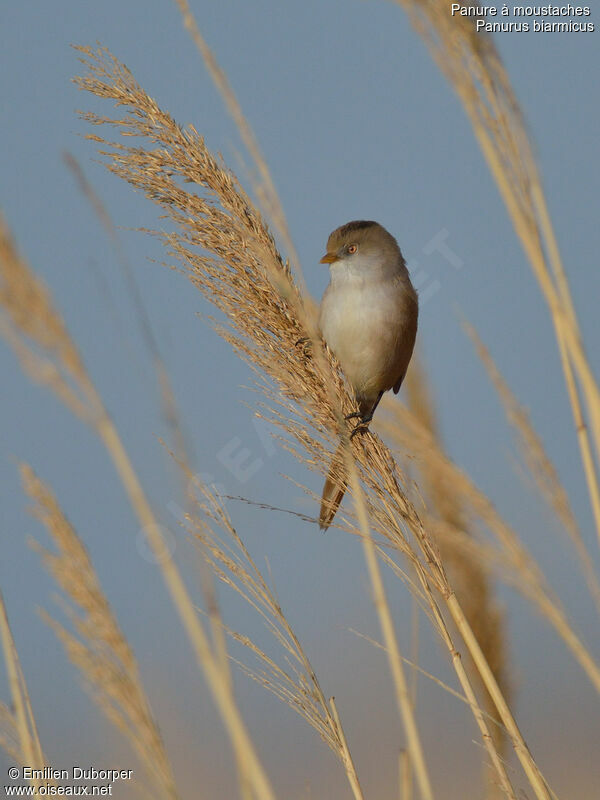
(329, 258)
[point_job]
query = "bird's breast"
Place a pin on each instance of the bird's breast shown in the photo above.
(367, 325)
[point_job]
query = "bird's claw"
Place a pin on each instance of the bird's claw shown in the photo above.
(362, 427)
(363, 424)
(354, 415)
(306, 343)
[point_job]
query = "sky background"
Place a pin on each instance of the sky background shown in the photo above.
(355, 121)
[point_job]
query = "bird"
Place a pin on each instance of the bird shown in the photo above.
(368, 317)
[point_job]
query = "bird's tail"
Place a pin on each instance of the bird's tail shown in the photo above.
(334, 489)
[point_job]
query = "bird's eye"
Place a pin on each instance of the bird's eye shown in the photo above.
(352, 248)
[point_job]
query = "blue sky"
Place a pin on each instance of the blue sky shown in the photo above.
(355, 121)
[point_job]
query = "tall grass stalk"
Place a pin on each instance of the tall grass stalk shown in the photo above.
(271, 204)
(472, 65)
(223, 244)
(506, 553)
(100, 650)
(40, 338)
(265, 187)
(540, 467)
(229, 254)
(20, 722)
(292, 677)
(468, 574)
(403, 698)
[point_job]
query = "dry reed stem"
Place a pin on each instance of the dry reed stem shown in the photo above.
(540, 466)
(468, 697)
(386, 623)
(218, 230)
(530, 583)
(429, 604)
(265, 187)
(508, 555)
(30, 320)
(9, 734)
(38, 333)
(296, 683)
(346, 756)
(100, 651)
(472, 65)
(206, 659)
(167, 395)
(26, 743)
(489, 740)
(536, 779)
(405, 787)
(223, 244)
(469, 578)
(416, 668)
(403, 698)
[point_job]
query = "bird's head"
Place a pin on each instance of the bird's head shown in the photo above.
(361, 247)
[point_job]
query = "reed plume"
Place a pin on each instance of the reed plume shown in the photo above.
(35, 329)
(473, 67)
(469, 577)
(222, 243)
(540, 467)
(99, 649)
(289, 676)
(38, 334)
(18, 729)
(504, 552)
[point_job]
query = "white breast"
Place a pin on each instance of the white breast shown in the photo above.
(367, 323)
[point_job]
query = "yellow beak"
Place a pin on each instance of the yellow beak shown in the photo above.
(329, 258)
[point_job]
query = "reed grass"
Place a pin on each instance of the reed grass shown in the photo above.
(9, 734)
(265, 317)
(541, 469)
(486, 618)
(264, 186)
(221, 241)
(221, 231)
(98, 649)
(35, 329)
(505, 553)
(474, 69)
(470, 578)
(18, 729)
(292, 677)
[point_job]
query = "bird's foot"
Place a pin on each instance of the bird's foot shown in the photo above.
(354, 415)
(364, 418)
(306, 343)
(362, 427)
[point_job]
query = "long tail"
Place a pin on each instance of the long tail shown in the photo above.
(334, 489)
